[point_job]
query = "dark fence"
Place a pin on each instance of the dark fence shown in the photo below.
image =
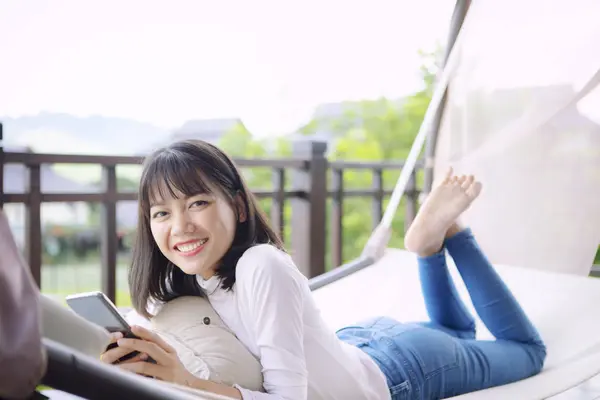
(308, 192)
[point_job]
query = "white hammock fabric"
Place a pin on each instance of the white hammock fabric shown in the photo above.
(523, 115)
(563, 307)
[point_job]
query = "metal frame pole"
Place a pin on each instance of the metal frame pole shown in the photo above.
(458, 17)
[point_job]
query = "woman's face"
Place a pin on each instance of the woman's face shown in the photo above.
(194, 233)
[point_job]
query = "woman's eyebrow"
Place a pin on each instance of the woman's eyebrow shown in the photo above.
(156, 203)
(161, 202)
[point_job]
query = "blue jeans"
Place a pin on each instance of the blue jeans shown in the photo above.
(442, 358)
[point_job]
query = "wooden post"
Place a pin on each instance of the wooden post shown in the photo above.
(109, 232)
(377, 201)
(337, 226)
(33, 224)
(308, 210)
(412, 200)
(278, 202)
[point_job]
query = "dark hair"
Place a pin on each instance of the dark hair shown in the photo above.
(190, 167)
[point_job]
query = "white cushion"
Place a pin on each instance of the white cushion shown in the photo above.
(205, 345)
(565, 309)
(63, 325)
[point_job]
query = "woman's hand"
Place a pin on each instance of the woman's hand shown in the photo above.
(167, 368)
(114, 353)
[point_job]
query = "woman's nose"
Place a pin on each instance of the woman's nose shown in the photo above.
(182, 225)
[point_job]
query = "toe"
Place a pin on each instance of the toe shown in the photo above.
(467, 182)
(448, 176)
(449, 172)
(474, 190)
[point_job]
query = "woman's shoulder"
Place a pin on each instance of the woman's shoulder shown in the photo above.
(263, 259)
(264, 251)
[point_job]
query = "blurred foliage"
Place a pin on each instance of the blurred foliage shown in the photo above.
(370, 130)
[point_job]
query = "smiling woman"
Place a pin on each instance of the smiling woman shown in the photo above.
(194, 231)
(201, 233)
(197, 217)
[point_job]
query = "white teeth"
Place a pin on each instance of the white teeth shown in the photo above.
(191, 246)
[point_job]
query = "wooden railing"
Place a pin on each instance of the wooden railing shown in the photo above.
(307, 172)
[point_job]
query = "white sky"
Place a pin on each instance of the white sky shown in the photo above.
(269, 62)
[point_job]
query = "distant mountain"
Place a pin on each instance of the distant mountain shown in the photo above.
(65, 133)
(210, 130)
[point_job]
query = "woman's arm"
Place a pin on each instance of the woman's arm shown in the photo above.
(272, 291)
(167, 368)
(272, 298)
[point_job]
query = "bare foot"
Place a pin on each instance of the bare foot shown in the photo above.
(438, 214)
(453, 230)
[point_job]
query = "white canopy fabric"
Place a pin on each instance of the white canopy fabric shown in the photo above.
(523, 115)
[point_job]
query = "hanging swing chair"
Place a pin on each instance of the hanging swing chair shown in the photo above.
(512, 105)
(516, 114)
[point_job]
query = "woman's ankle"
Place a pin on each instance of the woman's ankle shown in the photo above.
(454, 229)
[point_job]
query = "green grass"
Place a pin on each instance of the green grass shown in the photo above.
(59, 281)
(123, 299)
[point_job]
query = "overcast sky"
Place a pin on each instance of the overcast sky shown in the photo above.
(267, 61)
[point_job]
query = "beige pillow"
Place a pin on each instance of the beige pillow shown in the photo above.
(205, 345)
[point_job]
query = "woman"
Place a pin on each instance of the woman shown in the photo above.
(201, 233)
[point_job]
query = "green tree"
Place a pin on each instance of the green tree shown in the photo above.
(370, 130)
(376, 130)
(240, 144)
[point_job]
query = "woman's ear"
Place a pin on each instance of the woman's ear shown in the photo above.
(241, 207)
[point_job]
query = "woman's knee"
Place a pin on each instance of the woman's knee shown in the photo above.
(538, 353)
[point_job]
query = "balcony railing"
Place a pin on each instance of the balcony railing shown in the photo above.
(305, 174)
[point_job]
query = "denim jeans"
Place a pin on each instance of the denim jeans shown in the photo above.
(441, 358)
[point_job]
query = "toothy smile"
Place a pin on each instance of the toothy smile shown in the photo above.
(190, 246)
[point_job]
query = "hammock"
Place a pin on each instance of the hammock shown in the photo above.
(515, 106)
(526, 129)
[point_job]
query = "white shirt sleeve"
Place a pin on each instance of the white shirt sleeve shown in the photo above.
(273, 291)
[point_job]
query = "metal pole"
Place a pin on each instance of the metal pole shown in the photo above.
(458, 17)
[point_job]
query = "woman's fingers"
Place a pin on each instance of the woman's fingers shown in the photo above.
(115, 336)
(168, 367)
(137, 358)
(144, 333)
(148, 369)
(112, 355)
(144, 346)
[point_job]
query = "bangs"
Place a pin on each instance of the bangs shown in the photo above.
(171, 176)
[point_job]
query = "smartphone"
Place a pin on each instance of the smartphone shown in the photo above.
(98, 309)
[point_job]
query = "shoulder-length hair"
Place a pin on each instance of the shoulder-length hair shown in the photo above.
(190, 168)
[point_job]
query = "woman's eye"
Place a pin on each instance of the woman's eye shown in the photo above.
(159, 214)
(199, 203)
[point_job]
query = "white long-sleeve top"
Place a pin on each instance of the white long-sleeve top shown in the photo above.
(272, 312)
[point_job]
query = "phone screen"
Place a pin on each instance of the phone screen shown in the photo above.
(96, 308)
